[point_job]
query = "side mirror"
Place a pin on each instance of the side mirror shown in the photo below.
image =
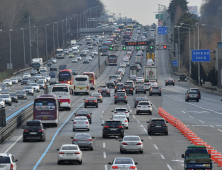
(109, 163)
(182, 156)
(122, 124)
(72, 120)
(57, 149)
(142, 140)
(16, 160)
(120, 140)
(147, 122)
(136, 163)
(209, 155)
(83, 99)
(93, 137)
(112, 111)
(167, 122)
(102, 124)
(91, 113)
(71, 137)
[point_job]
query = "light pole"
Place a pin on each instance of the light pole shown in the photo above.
(77, 29)
(10, 46)
(24, 46)
(57, 33)
(37, 41)
(62, 35)
(46, 47)
(53, 37)
(178, 48)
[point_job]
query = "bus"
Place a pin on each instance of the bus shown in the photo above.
(46, 109)
(65, 76)
(112, 59)
(92, 79)
(121, 26)
(60, 53)
(130, 26)
(81, 84)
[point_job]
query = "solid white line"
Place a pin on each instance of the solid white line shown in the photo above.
(104, 154)
(106, 167)
(155, 146)
(201, 121)
(219, 130)
(104, 145)
(169, 167)
(150, 137)
(162, 156)
(191, 116)
(183, 112)
(13, 144)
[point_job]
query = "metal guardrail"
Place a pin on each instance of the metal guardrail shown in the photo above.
(15, 122)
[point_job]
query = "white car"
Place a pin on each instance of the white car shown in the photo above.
(48, 78)
(123, 119)
(95, 52)
(54, 61)
(41, 84)
(79, 58)
(37, 76)
(131, 144)
(26, 75)
(90, 47)
(7, 162)
(89, 58)
(14, 80)
(121, 111)
(2, 103)
(8, 82)
(29, 90)
(123, 163)
(86, 50)
(35, 86)
(144, 107)
(81, 122)
(43, 79)
(74, 60)
(6, 98)
(69, 153)
(139, 80)
(147, 86)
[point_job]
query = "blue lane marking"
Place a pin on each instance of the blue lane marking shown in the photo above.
(13, 106)
(18, 111)
(18, 103)
(40, 159)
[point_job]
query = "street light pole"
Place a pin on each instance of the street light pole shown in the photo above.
(62, 35)
(46, 47)
(37, 41)
(53, 37)
(30, 42)
(24, 45)
(198, 62)
(10, 46)
(58, 34)
(77, 29)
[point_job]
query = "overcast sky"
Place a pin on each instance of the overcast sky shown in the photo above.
(141, 10)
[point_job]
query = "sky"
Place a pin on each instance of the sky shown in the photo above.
(141, 10)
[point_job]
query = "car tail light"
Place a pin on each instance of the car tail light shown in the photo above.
(26, 130)
(131, 89)
(100, 91)
(107, 91)
(198, 95)
(69, 101)
(87, 87)
(89, 140)
(34, 116)
(152, 125)
(132, 167)
(86, 100)
(74, 122)
(159, 89)
(74, 87)
(151, 89)
(188, 95)
(115, 112)
(75, 140)
(100, 96)
(149, 106)
(139, 143)
(124, 143)
(166, 81)
(61, 153)
(136, 102)
(138, 106)
(94, 100)
(40, 130)
(106, 126)
(11, 167)
(87, 115)
(164, 125)
(87, 122)
(120, 126)
(115, 167)
(115, 87)
(116, 96)
(126, 120)
(77, 115)
(123, 89)
(174, 81)
(125, 96)
(77, 152)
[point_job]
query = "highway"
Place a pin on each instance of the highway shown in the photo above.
(160, 151)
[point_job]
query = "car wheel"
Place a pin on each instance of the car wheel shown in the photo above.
(137, 113)
(127, 127)
(122, 136)
(151, 113)
(121, 151)
(166, 133)
(32, 94)
(197, 100)
(149, 133)
(91, 149)
(104, 136)
(88, 129)
(59, 162)
(114, 102)
(132, 93)
(85, 106)
(165, 84)
(16, 101)
(186, 100)
(150, 94)
(144, 92)
(141, 152)
(73, 130)
(128, 119)
(80, 162)
(24, 140)
(42, 140)
(134, 106)
(109, 95)
(160, 94)
(136, 92)
(97, 106)
(10, 104)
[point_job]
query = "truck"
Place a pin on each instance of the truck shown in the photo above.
(150, 73)
(75, 50)
(133, 70)
(73, 42)
(138, 59)
(60, 53)
(150, 56)
(36, 63)
(196, 157)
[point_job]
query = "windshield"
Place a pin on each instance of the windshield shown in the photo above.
(69, 148)
(65, 76)
(112, 57)
(131, 139)
(45, 104)
(60, 89)
(81, 79)
(123, 161)
(59, 52)
(4, 96)
(20, 92)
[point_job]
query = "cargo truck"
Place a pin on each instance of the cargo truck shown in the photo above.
(138, 59)
(36, 63)
(133, 70)
(73, 42)
(150, 73)
(196, 158)
(60, 53)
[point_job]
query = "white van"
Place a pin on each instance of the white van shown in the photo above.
(81, 84)
(75, 50)
(63, 94)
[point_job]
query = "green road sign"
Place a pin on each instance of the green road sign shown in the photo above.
(159, 16)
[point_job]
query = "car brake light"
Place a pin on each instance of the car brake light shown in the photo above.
(149, 106)
(125, 96)
(124, 143)
(89, 140)
(166, 81)
(87, 115)
(188, 95)
(115, 112)
(40, 130)
(116, 96)
(164, 125)
(151, 124)
(115, 87)
(159, 89)
(77, 152)
(75, 140)
(74, 122)
(115, 167)
(151, 89)
(61, 153)
(123, 89)
(87, 122)
(174, 81)
(100, 96)
(34, 116)
(120, 126)
(139, 143)
(107, 91)
(132, 167)
(138, 106)
(100, 91)
(94, 100)
(26, 130)
(131, 89)
(74, 87)
(106, 126)
(126, 120)
(86, 101)
(69, 101)
(87, 87)
(11, 167)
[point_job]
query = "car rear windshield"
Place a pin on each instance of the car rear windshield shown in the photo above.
(81, 79)
(119, 85)
(60, 89)
(141, 98)
(192, 92)
(144, 103)
(113, 123)
(5, 160)
(120, 94)
(158, 121)
(112, 77)
(129, 82)
(155, 87)
(123, 161)
(120, 110)
(45, 102)
(82, 112)
(147, 84)
(97, 94)
(140, 87)
(33, 127)
(81, 118)
(69, 148)
(131, 139)
(4, 96)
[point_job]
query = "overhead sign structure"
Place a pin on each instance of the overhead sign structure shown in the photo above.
(162, 30)
(200, 55)
(174, 63)
(137, 43)
(159, 16)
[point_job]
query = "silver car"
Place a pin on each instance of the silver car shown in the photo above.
(131, 144)
(41, 84)
(29, 90)
(6, 98)
(123, 119)
(81, 122)
(98, 96)
(8, 82)
(83, 140)
(2, 103)
(14, 80)
(123, 163)
(35, 86)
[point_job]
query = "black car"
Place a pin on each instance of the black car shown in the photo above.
(128, 89)
(112, 128)
(53, 67)
(101, 86)
(83, 53)
(79, 43)
(120, 97)
(84, 113)
(33, 72)
(198, 91)
(53, 74)
(62, 67)
(192, 95)
(169, 81)
(110, 84)
(86, 61)
(138, 99)
(49, 63)
(34, 130)
(21, 94)
(140, 88)
(119, 86)
(32, 79)
(74, 72)
(54, 81)
(157, 125)
(155, 90)
(104, 91)
(14, 97)
(24, 80)
(90, 101)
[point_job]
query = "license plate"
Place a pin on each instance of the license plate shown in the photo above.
(69, 154)
(121, 97)
(60, 102)
(112, 129)
(158, 126)
(45, 117)
(80, 88)
(32, 133)
(91, 101)
(1, 166)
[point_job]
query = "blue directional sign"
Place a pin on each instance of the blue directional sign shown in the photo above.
(200, 55)
(174, 63)
(162, 30)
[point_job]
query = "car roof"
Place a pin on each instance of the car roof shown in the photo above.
(157, 119)
(120, 108)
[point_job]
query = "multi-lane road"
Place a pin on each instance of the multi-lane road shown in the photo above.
(160, 151)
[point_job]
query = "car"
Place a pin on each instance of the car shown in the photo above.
(140, 88)
(14, 80)
(121, 111)
(79, 43)
(34, 130)
(192, 95)
(47, 78)
(37, 76)
(29, 81)
(101, 86)
(29, 90)
(123, 119)
(89, 58)
(43, 79)
(147, 86)
(133, 77)
(157, 125)
(71, 55)
(83, 140)
(113, 78)
(5, 91)
(153, 83)
(86, 61)
(130, 83)
(8, 161)
(79, 58)
(123, 163)
(98, 96)
(86, 50)
(144, 107)
(69, 153)
(90, 101)
(53, 81)
(155, 90)
(3, 86)
(19, 78)
(84, 113)
(81, 122)
(138, 99)
(74, 60)
(120, 97)
(2, 103)
(13, 96)
(104, 92)
(198, 91)
(41, 84)
(128, 89)
(33, 79)
(54, 61)
(139, 80)
(21, 94)
(169, 81)
(131, 143)
(24, 80)
(8, 82)
(119, 78)
(26, 75)
(35, 86)
(95, 52)
(112, 128)
(6, 98)
(43, 72)
(53, 74)
(119, 86)
(33, 72)
(49, 63)
(74, 72)
(110, 84)
(83, 53)
(90, 46)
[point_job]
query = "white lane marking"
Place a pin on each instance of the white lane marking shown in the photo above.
(106, 167)
(182, 164)
(10, 109)
(104, 154)
(104, 145)
(169, 167)
(183, 112)
(150, 137)
(191, 116)
(219, 130)
(155, 146)
(211, 125)
(13, 144)
(155, 108)
(162, 156)
(201, 121)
